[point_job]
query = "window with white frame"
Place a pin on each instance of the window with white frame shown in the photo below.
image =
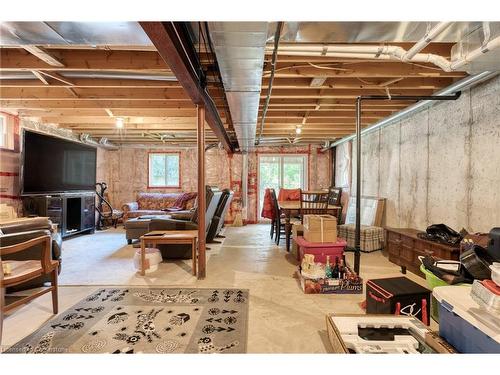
(3, 131)
(6, 133)
(164, 169)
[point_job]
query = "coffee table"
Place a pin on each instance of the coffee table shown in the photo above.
(169, 237)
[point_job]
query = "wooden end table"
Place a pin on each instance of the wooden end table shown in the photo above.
(169, 237)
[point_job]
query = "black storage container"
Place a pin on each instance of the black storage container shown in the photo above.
(398, 294)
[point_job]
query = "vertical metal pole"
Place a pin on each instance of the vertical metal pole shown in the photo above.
(201, 192)
(357, 237)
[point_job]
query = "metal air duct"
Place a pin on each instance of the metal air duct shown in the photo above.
(240, 48)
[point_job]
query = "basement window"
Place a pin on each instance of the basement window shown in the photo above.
(6, 133)
(164, 170)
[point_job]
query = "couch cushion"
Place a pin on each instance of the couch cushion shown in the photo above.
(156, 201)
(138, 213)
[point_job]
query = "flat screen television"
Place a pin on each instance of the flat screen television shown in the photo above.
(56, 165)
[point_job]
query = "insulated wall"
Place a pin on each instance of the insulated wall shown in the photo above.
(440, 165)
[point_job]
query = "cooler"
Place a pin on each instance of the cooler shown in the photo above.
(463, 324)
(320, 250)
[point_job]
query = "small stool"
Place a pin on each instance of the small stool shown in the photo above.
(153, 258)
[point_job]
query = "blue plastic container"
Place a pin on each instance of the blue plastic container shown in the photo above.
(458, 325)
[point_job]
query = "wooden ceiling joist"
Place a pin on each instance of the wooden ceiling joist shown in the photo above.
(117, 112)
(95, 60)
(89, 82)
(95, 103)
(105, 93)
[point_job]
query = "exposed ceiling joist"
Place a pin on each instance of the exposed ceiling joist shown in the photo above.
(95, 60)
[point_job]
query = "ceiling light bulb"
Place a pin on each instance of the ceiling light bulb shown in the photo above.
(298, 130)
(119, 123)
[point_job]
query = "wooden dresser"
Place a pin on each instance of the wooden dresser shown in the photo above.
(404, 247)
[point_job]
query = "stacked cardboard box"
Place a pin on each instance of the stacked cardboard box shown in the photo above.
(320, 228)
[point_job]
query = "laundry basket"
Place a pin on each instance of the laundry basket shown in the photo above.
(432, 282)
(153, 258)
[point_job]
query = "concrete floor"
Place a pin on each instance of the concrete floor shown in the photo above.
(282, 319)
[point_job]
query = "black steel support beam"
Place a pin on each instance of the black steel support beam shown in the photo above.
(359, 99)
(177, 50)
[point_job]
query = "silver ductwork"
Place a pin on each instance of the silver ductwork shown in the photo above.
(66, 33)
(240, 49)
(368, 32)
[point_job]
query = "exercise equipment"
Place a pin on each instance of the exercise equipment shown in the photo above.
(105, 212)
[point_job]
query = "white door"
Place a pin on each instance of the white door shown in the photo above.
(281, 171)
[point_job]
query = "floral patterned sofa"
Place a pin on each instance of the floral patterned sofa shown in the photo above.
(157, 203)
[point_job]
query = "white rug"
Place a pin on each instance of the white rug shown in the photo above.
(104, 258)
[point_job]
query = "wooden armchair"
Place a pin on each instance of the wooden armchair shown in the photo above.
(26, 270)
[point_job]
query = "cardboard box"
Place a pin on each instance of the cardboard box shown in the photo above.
(331, 286)
(320, 228)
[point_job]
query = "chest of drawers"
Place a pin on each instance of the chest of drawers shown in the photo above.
(404, 247)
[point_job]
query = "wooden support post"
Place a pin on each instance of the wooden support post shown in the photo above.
(201, 193)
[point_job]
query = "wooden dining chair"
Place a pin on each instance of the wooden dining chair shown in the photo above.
(26, 270)
(279, 225)
(335, 199)
(313, 203)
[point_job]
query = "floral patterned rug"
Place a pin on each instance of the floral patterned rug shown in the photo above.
(146, 320)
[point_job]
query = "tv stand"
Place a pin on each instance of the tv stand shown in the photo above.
(73, 212)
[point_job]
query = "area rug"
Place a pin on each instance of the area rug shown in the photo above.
(146, 320)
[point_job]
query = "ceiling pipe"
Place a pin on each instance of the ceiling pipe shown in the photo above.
(368, 52)
(277, 36)
(426, 39)
(489, 46)
(457, 86)
(390, 53)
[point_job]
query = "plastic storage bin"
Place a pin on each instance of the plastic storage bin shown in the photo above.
(463, 324)
(320, 249)
(433, 281)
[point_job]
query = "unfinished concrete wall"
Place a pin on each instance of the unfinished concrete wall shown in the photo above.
(441, 165)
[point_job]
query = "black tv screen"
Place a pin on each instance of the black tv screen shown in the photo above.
(55, 165)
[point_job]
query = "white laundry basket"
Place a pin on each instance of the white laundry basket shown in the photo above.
(153, 257)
